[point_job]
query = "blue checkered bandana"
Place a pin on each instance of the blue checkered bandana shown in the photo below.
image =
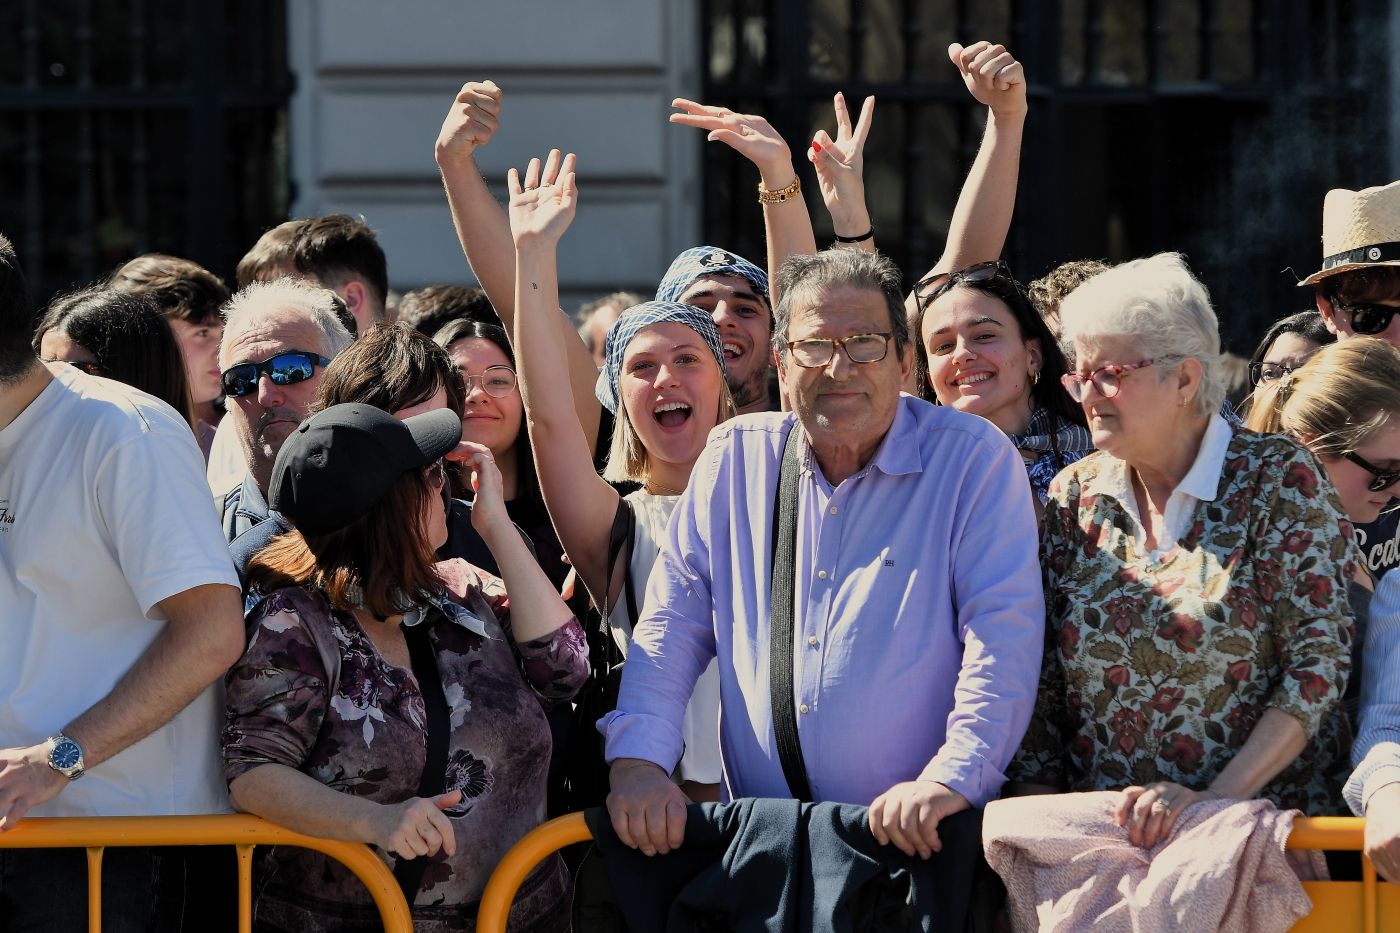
(632, 322)
(702, 261)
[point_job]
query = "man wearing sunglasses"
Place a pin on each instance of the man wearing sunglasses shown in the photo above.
(278, 338)
(1358, 294)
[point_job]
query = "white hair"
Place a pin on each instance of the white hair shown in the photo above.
(1158, 305)
(316, 304)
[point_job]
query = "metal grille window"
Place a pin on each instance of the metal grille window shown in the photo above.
(140, 125)
(1213, 127)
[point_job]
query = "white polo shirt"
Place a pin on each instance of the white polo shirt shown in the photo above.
(104, 512)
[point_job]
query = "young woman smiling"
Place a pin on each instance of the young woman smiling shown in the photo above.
(664, 379)
(987, 351)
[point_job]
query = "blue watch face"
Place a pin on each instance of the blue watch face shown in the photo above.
(66, 754)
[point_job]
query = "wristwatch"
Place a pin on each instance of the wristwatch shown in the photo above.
(66, 757)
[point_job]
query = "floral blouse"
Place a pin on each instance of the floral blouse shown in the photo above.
(1158, 670)
(312, 693)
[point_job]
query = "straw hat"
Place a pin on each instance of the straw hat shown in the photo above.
(1359, 229)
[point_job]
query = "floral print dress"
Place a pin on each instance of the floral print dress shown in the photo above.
(312, 693)
(1158, 670)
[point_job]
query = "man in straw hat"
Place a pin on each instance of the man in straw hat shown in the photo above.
(1358, 293)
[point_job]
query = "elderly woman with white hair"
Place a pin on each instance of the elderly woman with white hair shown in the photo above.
(1198, 636)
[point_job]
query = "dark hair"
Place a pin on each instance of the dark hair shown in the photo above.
(382, 554)
(836, 267)
(1380, 283)
(391, 367)
(429, 310)
(336, 247)
(1306, 324)
(16, 316)
(527, 485)
(128, 336)
(181, 289)
(271, 253)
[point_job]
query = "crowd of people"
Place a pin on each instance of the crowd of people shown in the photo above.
(370, 566)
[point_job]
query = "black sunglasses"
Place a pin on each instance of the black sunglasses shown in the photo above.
(284, 369)
(944, 282)
(1384, 479)
(1369, 319)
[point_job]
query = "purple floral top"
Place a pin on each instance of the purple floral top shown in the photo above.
(312, 692)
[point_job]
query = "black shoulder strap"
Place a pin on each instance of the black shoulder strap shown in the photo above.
(409, 872)
(624, 529)
(780, 647)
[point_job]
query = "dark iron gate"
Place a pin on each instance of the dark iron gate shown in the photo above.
(1213, 127)
(129, 126)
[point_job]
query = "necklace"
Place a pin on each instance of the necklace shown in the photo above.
(656, 489)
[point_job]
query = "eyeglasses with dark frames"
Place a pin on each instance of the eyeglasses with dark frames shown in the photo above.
(1260, 373)
(943, 282)
(816, 352)
(496, 381)
(1383, 479)
(284, 369)
(1107, 379)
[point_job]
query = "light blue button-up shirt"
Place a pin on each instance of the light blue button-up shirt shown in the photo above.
(919, 617)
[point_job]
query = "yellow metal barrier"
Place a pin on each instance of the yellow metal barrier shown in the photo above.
(532, 849)
(239, 830)
(1338, 906)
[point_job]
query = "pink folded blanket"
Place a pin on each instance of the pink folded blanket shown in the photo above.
(1068, 867)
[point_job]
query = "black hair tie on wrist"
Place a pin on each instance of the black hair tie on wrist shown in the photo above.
(855, 239)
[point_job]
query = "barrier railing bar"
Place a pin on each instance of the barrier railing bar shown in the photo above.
(240, 830)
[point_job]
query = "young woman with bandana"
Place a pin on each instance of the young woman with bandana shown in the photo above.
(664, 380)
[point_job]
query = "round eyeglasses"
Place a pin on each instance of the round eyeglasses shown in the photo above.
(496, 381)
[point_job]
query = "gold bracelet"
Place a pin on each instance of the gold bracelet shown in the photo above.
(766, 196)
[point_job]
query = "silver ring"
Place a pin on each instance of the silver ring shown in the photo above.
(1161, 802)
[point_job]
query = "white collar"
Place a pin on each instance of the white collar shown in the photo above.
(1201, 482)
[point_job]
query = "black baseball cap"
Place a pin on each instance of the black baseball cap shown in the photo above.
(341, 461)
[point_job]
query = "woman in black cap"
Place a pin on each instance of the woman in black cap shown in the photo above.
(389, 699)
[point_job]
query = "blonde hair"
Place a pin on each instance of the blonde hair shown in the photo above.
(628, 459)
(1337, 400)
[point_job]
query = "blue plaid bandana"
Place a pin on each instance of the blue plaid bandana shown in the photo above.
(632, 322)
(702, 261)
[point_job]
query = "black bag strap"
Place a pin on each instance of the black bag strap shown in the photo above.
(624, 529)
(780, 647)
(409, 872)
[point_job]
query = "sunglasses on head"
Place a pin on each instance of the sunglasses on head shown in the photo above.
(284, 369)
(1384, 479)
(944, 282)
(1369, 319)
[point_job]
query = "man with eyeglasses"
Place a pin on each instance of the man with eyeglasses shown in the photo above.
(916, 625)
(278, 338)
(1358, 294)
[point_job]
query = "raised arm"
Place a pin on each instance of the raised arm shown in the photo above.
(787, 223)
(483, 230)
(840, 166)
(580, 503)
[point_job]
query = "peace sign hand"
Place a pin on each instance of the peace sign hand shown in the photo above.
(840, 163)
(542, 207)
(748, 134)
